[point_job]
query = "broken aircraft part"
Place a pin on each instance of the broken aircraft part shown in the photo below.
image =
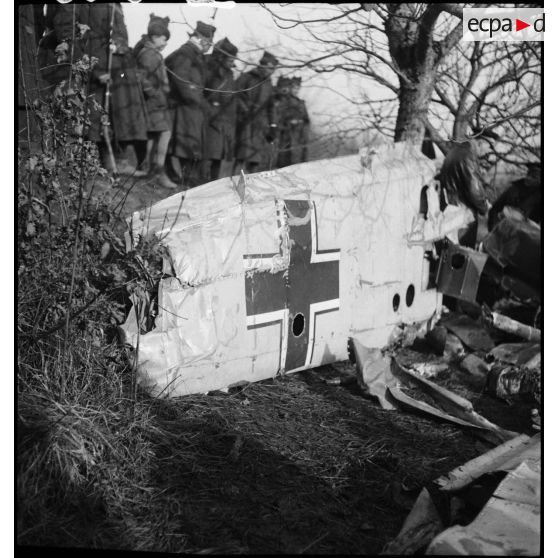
(460, 271)
(453, 407)
(509, 523)
(278, 279)
(508, 381)
(383, 375)
(470, 332)
(509, 325)
(373, 371)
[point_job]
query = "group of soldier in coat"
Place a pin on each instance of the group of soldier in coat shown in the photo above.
(184, 115)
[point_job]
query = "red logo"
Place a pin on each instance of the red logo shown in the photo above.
(519, 25)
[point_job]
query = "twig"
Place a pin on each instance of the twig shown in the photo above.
(78, 218)
(314, 543)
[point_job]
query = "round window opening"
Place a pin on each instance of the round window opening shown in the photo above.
(410, 296)
(457, 261)
(396, 302)
(298, 325)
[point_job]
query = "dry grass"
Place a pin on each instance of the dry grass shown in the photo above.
(291, 465)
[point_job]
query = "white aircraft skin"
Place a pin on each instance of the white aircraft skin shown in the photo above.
(273, 272)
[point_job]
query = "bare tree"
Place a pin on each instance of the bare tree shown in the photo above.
(414, 54)
(493, 90)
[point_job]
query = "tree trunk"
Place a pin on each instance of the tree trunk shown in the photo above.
(460, 127)
(413, 108)
(411, 47)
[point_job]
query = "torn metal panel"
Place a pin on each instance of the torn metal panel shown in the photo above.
(527, 354)
(373, 371)
(460, 271)
(277, 280)
(509, 325)
(413, 404)
(422, 524)
(469, 331)
(381, 376)
(433, 224)
(457, 408)
(504, 457)
(509, 524)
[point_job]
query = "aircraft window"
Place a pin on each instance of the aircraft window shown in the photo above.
(396, 302)
(298, 325)
(457, 261)
(410, 296)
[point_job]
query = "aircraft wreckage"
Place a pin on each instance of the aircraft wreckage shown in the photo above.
(273, 272)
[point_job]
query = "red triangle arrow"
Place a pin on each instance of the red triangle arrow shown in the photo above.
(519, 25)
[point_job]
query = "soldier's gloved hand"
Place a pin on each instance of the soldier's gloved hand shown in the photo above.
(271, 134)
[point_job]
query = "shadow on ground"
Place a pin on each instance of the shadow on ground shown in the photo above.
(295, 466)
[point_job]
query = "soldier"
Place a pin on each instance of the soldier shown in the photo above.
(156, 88)
(189, 108)
(93, 29)
(293, 138)
(221, 126)
(282, 94)
(257, 124)
(302, 122)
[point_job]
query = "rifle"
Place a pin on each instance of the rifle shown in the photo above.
(105, 119)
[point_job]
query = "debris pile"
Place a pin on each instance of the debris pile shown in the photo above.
(490, 505)
(491, 343)
(443, 522)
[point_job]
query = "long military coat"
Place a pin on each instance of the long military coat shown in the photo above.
(256, 112)
(155, 84)
(293, 131)
(221, 124)
(187, 75)
(127, 106)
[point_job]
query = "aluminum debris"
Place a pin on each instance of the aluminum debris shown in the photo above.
(508, 524)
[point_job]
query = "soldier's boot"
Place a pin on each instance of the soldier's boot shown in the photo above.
(125, 169)
(146, 167)
(161, 178)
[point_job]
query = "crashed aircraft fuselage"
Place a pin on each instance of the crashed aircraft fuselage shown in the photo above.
(273, 272)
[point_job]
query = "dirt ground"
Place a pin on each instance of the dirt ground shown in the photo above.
(297, 465)
(134, 194)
